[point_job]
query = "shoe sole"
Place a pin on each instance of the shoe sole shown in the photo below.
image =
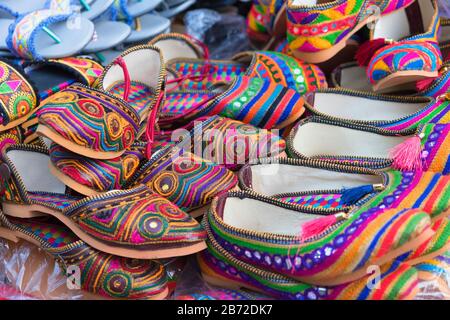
(400, 78)
(29, 211)
(16, 236)
(72, 146)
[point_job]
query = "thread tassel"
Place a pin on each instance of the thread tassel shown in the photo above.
(317, 226)
(407, 155)
(352, 195)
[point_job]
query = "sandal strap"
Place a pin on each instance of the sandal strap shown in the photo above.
(25, 29)
(18, 97)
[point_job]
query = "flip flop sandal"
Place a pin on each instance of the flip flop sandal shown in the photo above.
(107, 34)
(425, 148)
(387, 112)
(107, 56)
(92, 176)
(123, 278)
(147, 26)
(145, 225)
(310, 247)
(227, 142)
(254, 101)
(316, 184)
(318, 30)
(403, 48)
(18, 96)
(220, 268)
(92, 9)
(171, 8)
(436, 246)
(185, 179)
(126, 10)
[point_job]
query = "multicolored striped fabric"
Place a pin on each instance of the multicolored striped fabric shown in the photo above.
(361, 240)
(258, 21)
(60, 201)
(324, 201)
(186, 180)
(103, 274)
(436, 269)
(388, 6)
(312, 28)
(97, 175)
(435, 246)
(182, 102)
(258, 102)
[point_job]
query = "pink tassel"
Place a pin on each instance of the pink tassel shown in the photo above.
(317, 226)
(424, 84)
(407, 155)
(367, 50)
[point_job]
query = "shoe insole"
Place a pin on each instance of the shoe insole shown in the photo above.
(357, 108)
(318, 139)
(170, 10)
(148, 26)
(353, 77)
(138, 8)
(140, 96)
(260, 216)
(74, 35)
(52, 234)
(292, 178)
(397, 26)
(108, 34)
(96, 8)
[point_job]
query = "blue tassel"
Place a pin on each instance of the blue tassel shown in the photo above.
(352, 195)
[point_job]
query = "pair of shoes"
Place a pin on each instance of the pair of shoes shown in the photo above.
(304, 255)
(403, 46)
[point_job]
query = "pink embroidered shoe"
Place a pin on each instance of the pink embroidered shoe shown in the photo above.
(403, 48)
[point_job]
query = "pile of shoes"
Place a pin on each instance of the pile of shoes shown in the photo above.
(275, 183)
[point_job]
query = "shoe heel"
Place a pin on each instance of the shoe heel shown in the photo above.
(20, 211)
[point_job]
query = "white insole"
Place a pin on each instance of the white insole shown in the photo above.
(33, 169)
(354, 78)
(316, 139)
(260, 216)
(305, 2)
(357, 108)
(283, 178)
(172, 48)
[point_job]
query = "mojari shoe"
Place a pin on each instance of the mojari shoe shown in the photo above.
(318, 31)
(424, 148)
(310, 247)
(185, 179)
(319, 185)
(220, 268)
(120, 278)
(403, 48)
(135, 223)
(387, 112)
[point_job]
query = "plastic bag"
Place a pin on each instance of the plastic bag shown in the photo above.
(224, 34)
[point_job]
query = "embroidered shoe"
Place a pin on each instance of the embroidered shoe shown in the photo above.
(316, 184)
(425, 148)
(258, 23)
(134, 223)
(185, 179)
(93, 176)
(436, 272)
(102, 274)
(389, 6)
(397, 57)
(387, 112)
(312, 248)
(317, 31)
